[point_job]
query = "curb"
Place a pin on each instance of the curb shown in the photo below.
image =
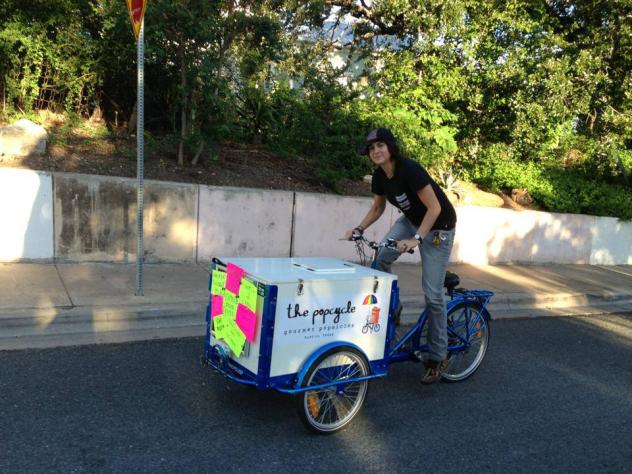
(80, 325)
(58, 327)
(525, 305)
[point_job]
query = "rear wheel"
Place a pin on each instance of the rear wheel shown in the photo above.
(468, 338)
(326, 410)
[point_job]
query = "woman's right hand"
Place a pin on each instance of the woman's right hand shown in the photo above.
(349, 234)
(355, 231)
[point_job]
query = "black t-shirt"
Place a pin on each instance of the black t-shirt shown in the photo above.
(401, 191)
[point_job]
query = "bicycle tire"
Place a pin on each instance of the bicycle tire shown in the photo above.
(327, 410)
(470, 322)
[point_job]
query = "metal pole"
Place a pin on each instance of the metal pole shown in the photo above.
(140, 143)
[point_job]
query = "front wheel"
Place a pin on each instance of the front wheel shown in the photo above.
(326, 410)
(468, 338)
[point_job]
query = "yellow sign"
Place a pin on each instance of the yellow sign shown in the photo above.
(248, 295)
(230, 305)
(220, 324)
(218, 281)
(234, 338)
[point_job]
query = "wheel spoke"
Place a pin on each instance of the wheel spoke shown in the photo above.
(324, 406)
(468, 328)
(337, 404)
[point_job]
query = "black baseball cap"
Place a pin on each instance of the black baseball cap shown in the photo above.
(376, 135)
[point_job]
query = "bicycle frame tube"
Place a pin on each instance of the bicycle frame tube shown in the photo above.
(481, 297)
(330, 384)
(412, 332)
(374, 260)
(478, 296)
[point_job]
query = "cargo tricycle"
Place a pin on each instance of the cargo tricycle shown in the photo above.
(321, 328)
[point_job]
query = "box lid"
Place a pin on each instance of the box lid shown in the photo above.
(284, 270)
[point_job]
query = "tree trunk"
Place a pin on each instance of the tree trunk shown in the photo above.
(198, 153)
(592, 119)
(80, 101)
(131, 124)
(183, 112)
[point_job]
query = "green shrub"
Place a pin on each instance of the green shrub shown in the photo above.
(555, 188)
(318, 123)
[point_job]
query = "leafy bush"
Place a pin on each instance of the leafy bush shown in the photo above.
(555, 188)
(46, 67)
(320, 123)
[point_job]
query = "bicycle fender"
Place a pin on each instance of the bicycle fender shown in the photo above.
(300, 376)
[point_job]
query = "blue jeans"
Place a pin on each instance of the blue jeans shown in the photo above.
(434, 263)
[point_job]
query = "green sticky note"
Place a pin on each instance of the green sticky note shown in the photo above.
(220, 323)
(218, 281)
(248, 295)
(234, 338)
(230, 305)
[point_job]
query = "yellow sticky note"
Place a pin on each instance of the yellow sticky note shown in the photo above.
(220, 324)
(234, 338)
(218, 282)
(230, 305)
(248, 295)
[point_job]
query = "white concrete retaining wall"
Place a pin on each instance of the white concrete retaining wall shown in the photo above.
(244, 222)
(491, 235)
(26, 215)
(612, 242)
(74, 217)
(320, 221)
(95, 219)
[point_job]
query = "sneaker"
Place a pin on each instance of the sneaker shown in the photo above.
(433, 372)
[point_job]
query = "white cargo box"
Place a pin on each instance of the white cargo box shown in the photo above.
(305, 304)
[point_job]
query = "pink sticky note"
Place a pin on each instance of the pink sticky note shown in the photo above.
(234, 275)
(217, 305)
(247, 321)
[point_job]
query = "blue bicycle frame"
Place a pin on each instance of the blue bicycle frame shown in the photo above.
(479, 297)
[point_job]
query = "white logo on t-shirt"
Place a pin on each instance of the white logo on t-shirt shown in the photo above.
(403, 202)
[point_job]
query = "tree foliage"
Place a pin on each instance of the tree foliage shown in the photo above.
(510, 94)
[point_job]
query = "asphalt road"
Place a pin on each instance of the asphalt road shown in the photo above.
(553, 395)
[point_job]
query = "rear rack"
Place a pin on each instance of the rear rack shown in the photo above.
(478, 295)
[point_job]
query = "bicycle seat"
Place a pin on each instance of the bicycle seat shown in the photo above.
(451, 281)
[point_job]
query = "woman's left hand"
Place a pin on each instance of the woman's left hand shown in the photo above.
(406, 245)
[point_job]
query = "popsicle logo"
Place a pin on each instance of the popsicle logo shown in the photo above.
(372, 321)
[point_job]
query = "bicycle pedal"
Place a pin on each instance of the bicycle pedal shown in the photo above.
(417, 356)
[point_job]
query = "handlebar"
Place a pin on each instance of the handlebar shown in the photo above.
(390, 243)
